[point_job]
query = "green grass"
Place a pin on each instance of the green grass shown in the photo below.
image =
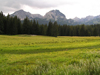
(42, 55)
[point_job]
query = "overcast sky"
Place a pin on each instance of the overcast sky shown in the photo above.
(71, 8)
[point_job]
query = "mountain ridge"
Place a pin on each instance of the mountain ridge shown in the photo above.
(56, 15)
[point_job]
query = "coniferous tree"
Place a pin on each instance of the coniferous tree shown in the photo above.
(26, 26)
(5, 23)
(1, 23)
(33, 29)
(95, 33)
(19, 26)
(14, 26)
(50, 29)
(82, 30)
(78, 30)
(55, 29)
(8, 25)
(43, 29)
(37, 28)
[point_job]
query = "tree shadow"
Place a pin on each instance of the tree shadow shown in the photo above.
(46, 50)
(31, 51)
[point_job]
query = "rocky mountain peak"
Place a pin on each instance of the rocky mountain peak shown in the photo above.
(76, 19)
(54, 15)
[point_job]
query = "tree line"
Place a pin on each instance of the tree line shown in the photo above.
(13, 26)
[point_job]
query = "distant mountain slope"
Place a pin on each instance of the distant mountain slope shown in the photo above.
(22, 15)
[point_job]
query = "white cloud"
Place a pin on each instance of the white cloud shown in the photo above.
(71, 8)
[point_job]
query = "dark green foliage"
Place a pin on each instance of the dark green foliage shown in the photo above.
(37, 28)
(1, 23)
(26, 26)
(95, 33)
(9, 25)
(43, 29)
(33, 29)
(55, 29)
(50, 29)
(19, 26)
(14, 26)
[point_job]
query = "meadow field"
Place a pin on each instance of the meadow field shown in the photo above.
(44, 55)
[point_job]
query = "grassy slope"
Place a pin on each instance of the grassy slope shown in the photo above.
(37, 55)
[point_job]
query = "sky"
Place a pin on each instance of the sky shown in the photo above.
(71, 8)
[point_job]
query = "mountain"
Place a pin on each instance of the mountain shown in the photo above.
(22, 15)
(88, 20)
(54, 15)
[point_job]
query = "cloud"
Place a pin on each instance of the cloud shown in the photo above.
(44, 3)
(11, 5)
(68, 7)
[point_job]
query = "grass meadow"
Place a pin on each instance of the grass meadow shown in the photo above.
(43, 55)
